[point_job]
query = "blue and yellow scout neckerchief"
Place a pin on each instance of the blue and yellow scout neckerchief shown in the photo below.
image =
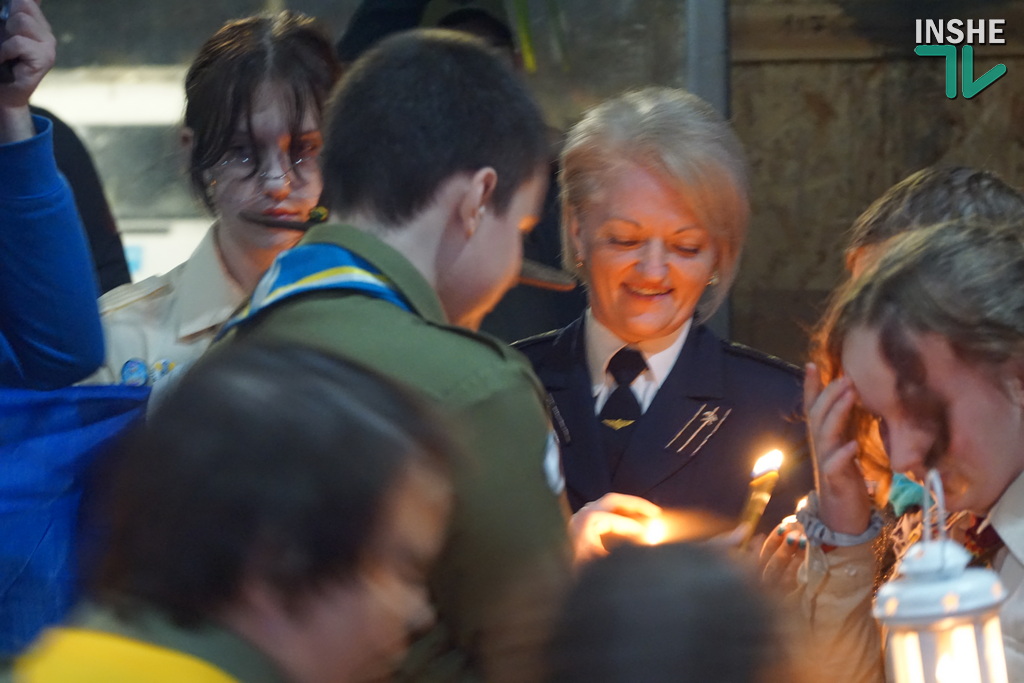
(85, 656)
(316, 268)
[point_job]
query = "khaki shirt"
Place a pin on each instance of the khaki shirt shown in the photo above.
(168, 320)
(500, 576)
(837, 592)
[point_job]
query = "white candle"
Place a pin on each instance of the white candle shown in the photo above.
(763, 478)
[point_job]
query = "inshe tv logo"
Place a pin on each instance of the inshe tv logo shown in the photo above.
(940, 38)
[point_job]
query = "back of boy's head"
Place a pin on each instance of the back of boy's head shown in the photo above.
(418, 109)
(671, 613)
(935, 195)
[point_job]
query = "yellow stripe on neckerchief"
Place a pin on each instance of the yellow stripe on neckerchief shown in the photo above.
(316, 268)
(84, 656)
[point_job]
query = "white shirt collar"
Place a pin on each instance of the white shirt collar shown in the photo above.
(207, 294)
(660, 354)
(1007, 516)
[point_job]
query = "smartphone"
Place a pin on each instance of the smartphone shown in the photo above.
(6, 68)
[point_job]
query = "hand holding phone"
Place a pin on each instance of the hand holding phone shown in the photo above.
(6, 68)
(28, 50)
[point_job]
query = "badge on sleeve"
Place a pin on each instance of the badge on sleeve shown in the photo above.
(553, 464)
(159, 369)
(135, 373)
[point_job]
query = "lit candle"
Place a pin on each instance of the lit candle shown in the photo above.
(763, 478)
(655, 531)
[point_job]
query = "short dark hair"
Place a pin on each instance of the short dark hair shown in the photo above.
(419, 108)
(223, 81)
(934, 195)
(671, 613)
(265, 462)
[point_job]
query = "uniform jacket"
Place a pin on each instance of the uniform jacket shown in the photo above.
(721, 407)
(507, 556)
(166, 320)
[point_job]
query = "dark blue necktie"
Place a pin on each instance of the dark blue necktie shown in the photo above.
(621, 410)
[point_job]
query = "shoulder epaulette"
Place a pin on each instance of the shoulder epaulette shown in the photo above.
(122, 296)
(542, 338)
(737, 349)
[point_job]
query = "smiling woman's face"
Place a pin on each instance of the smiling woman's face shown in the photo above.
(646, 259)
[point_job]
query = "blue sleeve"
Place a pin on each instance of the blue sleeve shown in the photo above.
(50, 331)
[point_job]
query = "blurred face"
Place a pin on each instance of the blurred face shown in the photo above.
(981, 414)
(267, 172)
(358, 630)
(646, 259)
(488, 265)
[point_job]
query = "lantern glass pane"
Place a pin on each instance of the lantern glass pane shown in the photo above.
(905, 657)
(995, 656)
(958, 656)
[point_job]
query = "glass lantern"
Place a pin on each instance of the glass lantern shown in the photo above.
(942, 617)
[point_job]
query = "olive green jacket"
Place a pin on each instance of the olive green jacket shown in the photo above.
(506, 560)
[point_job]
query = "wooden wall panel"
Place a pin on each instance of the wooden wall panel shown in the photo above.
(826, 135)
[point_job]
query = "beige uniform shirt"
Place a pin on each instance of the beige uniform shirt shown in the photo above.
(837, 592)
(168, 320)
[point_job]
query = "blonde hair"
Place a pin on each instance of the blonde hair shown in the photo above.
(681, 138)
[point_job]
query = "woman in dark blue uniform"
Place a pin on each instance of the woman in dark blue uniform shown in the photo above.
(646, 400)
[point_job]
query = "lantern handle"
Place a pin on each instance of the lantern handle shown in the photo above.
(934, 527)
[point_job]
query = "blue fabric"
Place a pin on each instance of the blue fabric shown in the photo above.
(50, 332)
(312, 268)
(48, 441)
(904, 494)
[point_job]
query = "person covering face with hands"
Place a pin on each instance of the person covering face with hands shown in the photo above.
(926, 347)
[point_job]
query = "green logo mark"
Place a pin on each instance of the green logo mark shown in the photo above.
(969, 86)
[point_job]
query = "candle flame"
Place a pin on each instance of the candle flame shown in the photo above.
(656, 532)
(801, 504)
(769, 462)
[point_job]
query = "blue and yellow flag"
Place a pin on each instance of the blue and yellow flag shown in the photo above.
(48, 442)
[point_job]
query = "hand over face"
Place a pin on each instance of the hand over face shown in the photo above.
(844, 504)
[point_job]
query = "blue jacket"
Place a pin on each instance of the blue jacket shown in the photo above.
(758, 398)
(50, 333)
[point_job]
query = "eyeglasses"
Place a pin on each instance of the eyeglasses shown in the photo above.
(243, 161)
